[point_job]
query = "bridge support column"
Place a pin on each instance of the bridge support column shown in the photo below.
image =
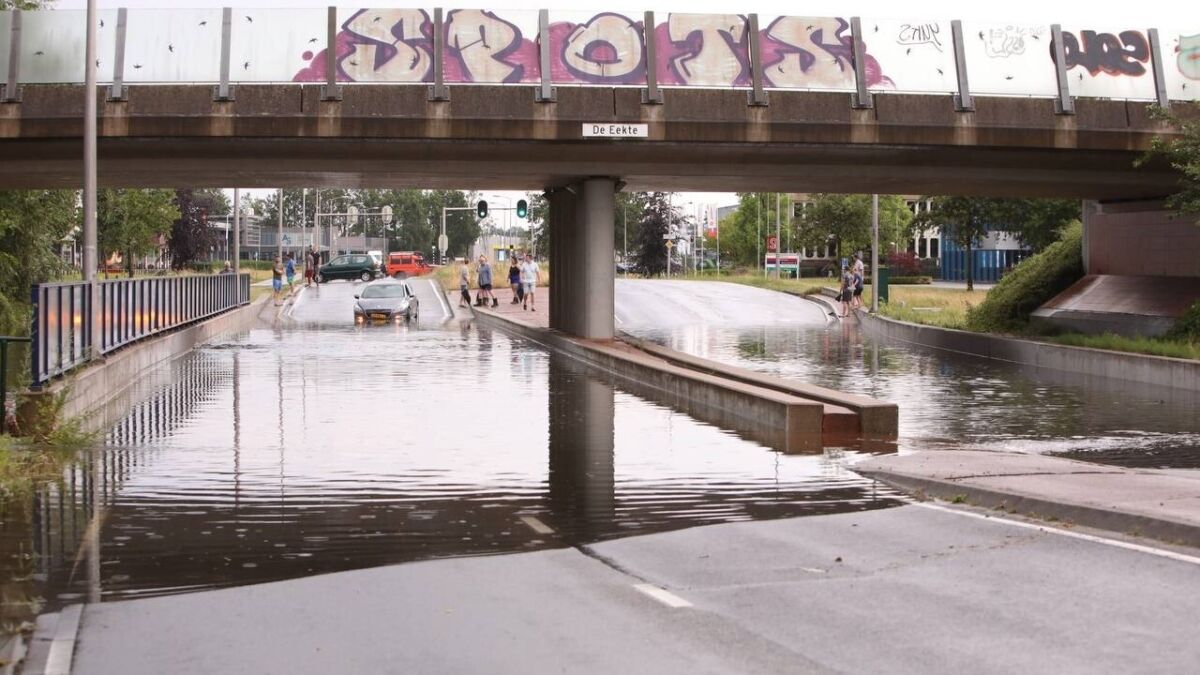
(581, 476)
(582, 258)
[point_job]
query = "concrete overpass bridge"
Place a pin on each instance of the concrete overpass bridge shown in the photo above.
(581, 104)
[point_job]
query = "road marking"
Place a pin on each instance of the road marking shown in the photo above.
(299, 296)
(1170, 555)
(662, 595)
(62, 647)
(442, 302)
(537, 525)
(618, 318)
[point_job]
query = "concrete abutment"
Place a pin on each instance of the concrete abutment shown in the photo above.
(582, 258)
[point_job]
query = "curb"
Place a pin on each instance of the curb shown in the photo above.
(1169, 531)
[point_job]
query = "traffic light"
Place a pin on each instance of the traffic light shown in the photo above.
(522, 208)
(481, 209)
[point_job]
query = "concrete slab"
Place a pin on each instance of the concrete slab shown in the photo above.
(1160, 504)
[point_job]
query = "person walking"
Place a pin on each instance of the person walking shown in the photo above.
(485, 282)
(289, 267)
(531, 274)
(858, 269)
(464, 284)
(313, 266)
(227, 269)
(514, 279)
(277, 279)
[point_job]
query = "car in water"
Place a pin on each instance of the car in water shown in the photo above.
(386, 300)
(352, 266)
(402, 264)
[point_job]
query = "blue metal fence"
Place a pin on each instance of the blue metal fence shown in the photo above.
(126, 310)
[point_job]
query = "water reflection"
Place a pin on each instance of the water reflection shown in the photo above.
(949, 400)
(286, 454)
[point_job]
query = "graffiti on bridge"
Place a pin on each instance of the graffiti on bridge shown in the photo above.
(396, 45)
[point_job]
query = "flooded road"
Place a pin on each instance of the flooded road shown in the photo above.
(946, 400)
(318, 446)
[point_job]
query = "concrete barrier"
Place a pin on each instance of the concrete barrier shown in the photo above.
(778, 420)
(1159, 371)
(88, 389)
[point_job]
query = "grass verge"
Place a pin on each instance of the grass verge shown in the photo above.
(1140, 345)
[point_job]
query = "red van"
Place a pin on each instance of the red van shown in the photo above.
(405, 264)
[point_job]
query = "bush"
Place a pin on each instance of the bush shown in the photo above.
(1187, 327)
(904, 264)
(1030, 284)
(909, 281)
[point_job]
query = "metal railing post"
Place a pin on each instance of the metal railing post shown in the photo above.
(1064, 104)
(651, 95)
(962, 100)
(224, 92)
(758, 97)
(331, 91)
(545, 91)
(12, 87)
(116, 91)
(1156, 64)
(862, 97)
(438, 91)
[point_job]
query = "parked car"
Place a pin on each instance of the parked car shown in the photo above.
(386, 300)
(402, 264)
(377, 256)
(353, 266)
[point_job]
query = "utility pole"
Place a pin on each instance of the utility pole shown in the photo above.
(625, 238)
(874, 254)
(237, 230)
(279, 229)
(758, 235)
(778, 240)
(89, 175)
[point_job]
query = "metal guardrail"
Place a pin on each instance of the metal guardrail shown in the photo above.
(126, 310)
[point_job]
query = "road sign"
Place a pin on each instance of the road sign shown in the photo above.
(611, 130)
(443, 243)
(772, 243)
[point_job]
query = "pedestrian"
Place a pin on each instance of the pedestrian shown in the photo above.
(227, 269)
(464, 284)
(313, 266)
(485, 282)
(846, 292)
(277, 278)
(289, 267)
(514, 280)
(858, 270)
(531, 274)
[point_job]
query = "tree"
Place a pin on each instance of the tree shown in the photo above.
(848, 219)
(191, 237)
(24, 4)
(133, 221)
(744, 232)
(1040, 222)
(33, 223)
(655, 222)
(1183, 153)
(965, 220)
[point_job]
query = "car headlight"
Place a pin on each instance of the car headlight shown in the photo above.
(358, 309)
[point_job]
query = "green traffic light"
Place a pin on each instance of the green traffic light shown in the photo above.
(522, 208)
(481, 209)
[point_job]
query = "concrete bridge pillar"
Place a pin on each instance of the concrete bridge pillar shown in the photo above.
(582, 486)
(582, 258)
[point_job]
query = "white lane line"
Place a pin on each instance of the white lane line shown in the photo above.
(442, 302)
(299, 297)
(537, 525)
(1170, 555)
(662, 595)
(618, 318)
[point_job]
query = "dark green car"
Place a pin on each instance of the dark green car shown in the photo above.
(354, 266)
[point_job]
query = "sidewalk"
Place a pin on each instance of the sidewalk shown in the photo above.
(1160, 504)
(539, 317)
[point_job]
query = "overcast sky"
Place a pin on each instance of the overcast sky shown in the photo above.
(1145, 14)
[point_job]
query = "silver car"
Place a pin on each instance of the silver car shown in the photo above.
(386, 300)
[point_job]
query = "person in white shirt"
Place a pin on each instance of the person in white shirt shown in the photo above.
(530, 276)
(858, 270)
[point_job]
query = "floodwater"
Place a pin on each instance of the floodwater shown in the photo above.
(946, 400)
(320, 446)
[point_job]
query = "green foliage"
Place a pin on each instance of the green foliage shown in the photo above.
(744, 232)
(904, 264)
(133, 221)
(1030, 284)
(191, 237)
(1187, 327)
(1183, 154)
(910, 281)
(32, 224)
(1137, 345)
(655, 222)
(848, 219)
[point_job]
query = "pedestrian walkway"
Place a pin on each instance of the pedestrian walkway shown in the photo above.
(1163, 504)
(539, 318)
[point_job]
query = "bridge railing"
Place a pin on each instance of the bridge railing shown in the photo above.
(126, 310)
(436, 48)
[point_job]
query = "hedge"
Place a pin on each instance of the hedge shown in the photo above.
(909, 281)
(1030, 284)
